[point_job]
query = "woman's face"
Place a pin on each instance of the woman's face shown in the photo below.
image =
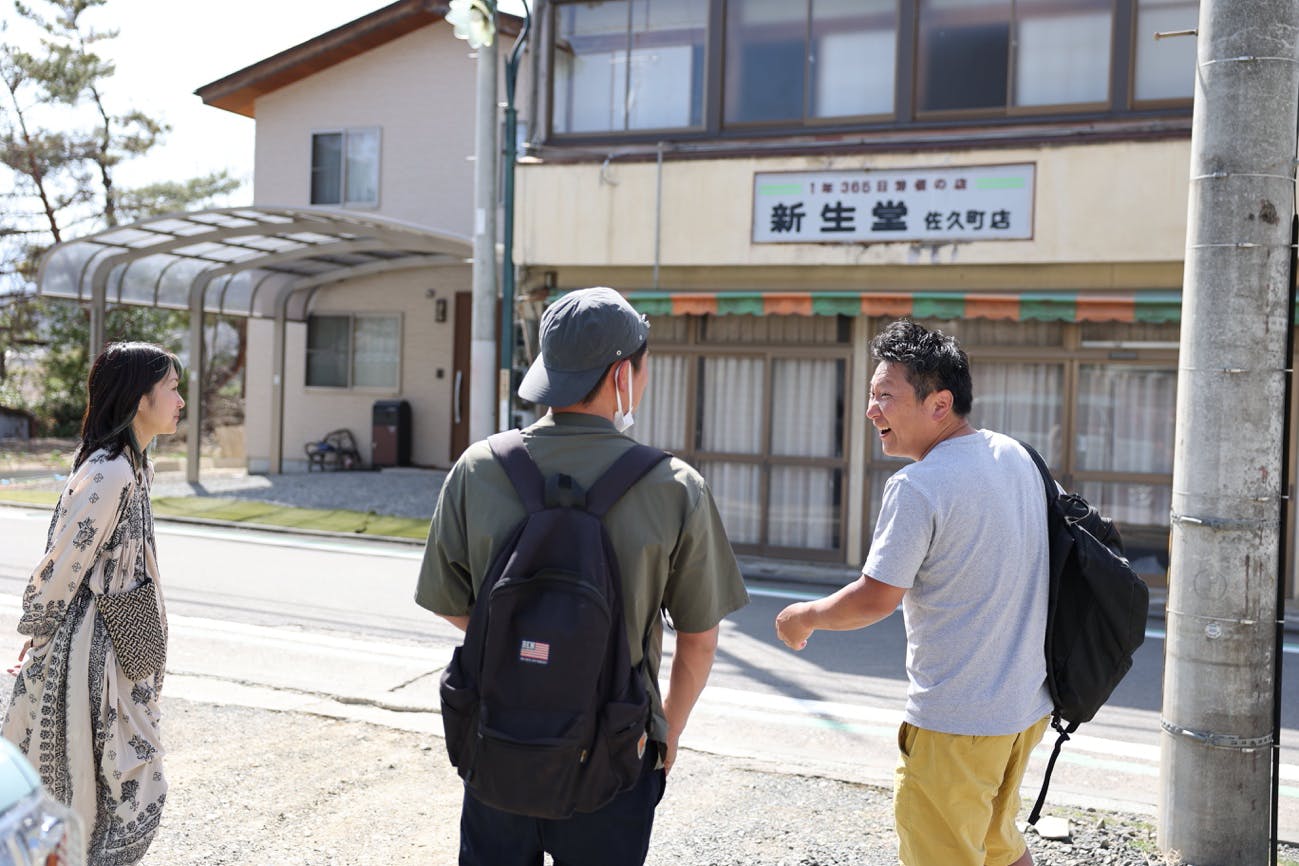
(159, 410)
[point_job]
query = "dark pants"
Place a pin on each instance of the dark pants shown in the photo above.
(616, 835)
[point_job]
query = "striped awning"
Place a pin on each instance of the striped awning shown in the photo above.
(1153, 306)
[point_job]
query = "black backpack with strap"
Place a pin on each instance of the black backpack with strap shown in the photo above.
(1096, 615)
(543, 712)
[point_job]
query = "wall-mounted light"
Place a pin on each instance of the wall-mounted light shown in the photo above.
(440, 310)
(548, 280)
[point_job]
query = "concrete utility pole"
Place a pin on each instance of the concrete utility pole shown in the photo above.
(1220, 664)
(482, 359)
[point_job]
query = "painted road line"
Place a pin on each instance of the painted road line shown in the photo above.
(280, 637)
(793, 595)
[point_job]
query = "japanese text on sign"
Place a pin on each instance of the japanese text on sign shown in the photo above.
(986, 202)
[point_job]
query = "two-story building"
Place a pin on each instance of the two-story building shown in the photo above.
(772, 180)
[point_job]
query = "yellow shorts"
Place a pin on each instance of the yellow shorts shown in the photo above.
(955, 798)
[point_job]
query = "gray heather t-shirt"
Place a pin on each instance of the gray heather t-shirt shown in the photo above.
(964, 532)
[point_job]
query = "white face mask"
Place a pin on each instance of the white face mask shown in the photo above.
(623, 420)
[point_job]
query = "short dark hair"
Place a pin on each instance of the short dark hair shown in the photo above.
(933, 360)
(119, 377)
(637, 358)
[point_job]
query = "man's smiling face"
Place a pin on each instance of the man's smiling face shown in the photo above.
(907, 426)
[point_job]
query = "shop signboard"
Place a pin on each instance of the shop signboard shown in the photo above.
(915, 205)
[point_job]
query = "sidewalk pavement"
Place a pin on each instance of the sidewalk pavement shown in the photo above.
(412, 492)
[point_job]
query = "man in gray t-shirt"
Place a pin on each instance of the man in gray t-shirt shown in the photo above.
(961, 543)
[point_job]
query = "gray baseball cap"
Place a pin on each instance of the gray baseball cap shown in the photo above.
(581, 335)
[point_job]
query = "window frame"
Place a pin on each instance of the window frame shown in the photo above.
(1010, 109)
(352, 318)
(1120, 103)
(343, 202)
(807, 120)
(1134, 8)
(695, 346)
(551, 101)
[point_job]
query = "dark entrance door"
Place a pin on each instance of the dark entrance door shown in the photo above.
(464, 327)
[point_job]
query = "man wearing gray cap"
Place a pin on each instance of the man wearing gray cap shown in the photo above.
(672, 555)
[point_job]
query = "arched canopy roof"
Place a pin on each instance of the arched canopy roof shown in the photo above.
(250, 261)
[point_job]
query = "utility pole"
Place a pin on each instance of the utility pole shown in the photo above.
(505, 387)
(1217, 739)
(482, 347)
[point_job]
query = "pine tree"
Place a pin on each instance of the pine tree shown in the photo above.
(61, 141)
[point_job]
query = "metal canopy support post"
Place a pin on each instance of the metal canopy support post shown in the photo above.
(98, 311)
(194, 403)
(277, 386)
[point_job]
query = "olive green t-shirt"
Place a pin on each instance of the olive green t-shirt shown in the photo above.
(672, 550)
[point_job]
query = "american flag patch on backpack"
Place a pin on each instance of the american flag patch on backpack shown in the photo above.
(534, 651)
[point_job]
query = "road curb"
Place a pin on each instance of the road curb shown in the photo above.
(255, 527)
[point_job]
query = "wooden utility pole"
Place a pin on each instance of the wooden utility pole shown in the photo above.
(1217, 740)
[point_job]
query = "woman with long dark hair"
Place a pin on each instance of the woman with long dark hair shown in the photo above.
(85, 706)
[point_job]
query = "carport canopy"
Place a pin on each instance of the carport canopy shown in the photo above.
(262, 262)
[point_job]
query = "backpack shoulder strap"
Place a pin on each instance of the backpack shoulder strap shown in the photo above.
(1048, 481)
(523, 472)
(629, 468)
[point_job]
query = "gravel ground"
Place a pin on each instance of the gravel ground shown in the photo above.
(251, 786)
(396, 492)
(254, 787)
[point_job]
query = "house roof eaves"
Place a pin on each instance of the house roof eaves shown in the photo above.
(238, 91)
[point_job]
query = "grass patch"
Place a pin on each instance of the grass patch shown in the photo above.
(45, 498)
(269, 514)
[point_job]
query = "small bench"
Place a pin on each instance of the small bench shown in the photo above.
(336, 451)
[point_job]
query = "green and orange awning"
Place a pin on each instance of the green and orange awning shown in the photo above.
(1153, 306)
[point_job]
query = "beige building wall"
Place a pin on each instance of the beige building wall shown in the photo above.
(425, 377)
(1120, 208)
(418, 91)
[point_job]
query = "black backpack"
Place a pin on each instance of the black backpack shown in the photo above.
(1096, 615)
(543, 712)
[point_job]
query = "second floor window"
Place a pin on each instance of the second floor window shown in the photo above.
(629, 68)
(991, 54)
(791, 60)
(345, 167)
(1165, 69)
(629, 64)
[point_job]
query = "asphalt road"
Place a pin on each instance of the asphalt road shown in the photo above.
(326, 626)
